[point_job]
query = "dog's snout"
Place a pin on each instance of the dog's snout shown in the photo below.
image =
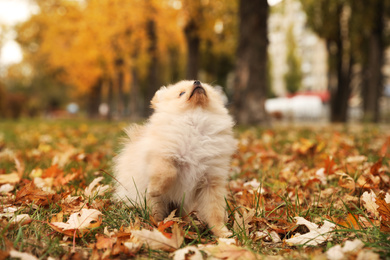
(197, 83)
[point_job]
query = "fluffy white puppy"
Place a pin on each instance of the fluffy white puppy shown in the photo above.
(181, 156)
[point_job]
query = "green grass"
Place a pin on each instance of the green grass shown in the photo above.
(35, 143)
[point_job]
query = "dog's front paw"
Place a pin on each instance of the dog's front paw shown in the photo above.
(154, 192)
(222, 232)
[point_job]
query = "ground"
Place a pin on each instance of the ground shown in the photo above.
(295, 192)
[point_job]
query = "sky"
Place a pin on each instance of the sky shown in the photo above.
(11, 13)
(16, 11)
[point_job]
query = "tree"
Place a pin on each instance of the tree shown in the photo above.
(293, 76)
(250, 87)
(368, 30)
(354, 31)
(122, 51)
(330, 20)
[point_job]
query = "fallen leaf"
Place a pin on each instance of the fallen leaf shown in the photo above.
(79, 223)
(346, 182)
(133, 247)
(171, 217)
(21, 256)
(31, 194)
(187, 253)
(231, 252)
(329, 165)
(374, 170)
(22, 219)
(387, 198)
(9, 178)
(369, 203)
(367, 254)
(315, 236)
(384, 212)
(103, 242)
(338, 253)
(164, 225)
(275, 237)
(241, 222)
(228, 241)
(351, 221)
(356, 159)
(156, 240)
(94, 189)
(6, 188)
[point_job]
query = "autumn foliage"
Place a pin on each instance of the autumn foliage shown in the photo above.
(306, 192)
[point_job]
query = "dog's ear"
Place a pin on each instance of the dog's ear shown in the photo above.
(158, 97)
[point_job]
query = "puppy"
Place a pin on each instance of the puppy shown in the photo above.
(181, 156)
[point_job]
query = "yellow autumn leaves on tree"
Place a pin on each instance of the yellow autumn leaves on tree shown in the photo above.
(82, 42)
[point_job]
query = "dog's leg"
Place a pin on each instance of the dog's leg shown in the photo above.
(158, 208)
(162, 175)
(211, 201)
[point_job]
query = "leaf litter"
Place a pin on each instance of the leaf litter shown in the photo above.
(290, 189)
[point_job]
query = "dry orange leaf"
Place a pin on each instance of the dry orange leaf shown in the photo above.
(162, 226)
(375, 168)
(31, 194)
(384, 212)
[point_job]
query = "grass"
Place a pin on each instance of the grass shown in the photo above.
(283, 159)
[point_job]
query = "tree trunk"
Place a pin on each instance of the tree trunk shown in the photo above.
(340, 95)
(136, 101)
(120, 83)
(152, 85)
(250, 87)
(95, 98)
(372, 89)
(110, 99)
(193, 43)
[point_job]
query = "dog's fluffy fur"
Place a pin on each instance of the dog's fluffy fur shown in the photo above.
(181, 155)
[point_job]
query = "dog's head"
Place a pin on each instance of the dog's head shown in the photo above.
(186, 95)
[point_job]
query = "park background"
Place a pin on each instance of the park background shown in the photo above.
(297, 59)
(74, 73)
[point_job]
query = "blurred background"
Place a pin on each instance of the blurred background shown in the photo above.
(288, 60)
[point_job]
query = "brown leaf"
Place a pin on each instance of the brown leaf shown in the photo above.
(31, 194)
(347, 182)
(375, 168)
(384, 212)
(329, 165)
(104, 242)
(385, 147)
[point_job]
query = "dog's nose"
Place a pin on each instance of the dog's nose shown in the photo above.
(197, 83)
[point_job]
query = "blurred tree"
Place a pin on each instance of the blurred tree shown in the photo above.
(3, 100)
(153, 80)
(192, 30)
(329, 19)
(355, 34)
(250, 88)
(293, 76)
(210, 30)
(119, 51)
(368, 30)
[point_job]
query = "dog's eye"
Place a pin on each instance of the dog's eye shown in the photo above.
(182, 93)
